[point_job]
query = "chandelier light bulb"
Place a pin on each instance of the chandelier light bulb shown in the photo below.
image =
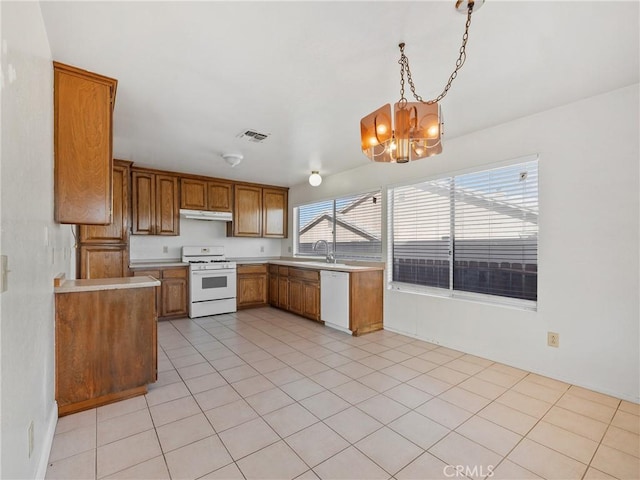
(315, 179)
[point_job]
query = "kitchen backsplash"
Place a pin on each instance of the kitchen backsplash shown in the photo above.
(198, 232)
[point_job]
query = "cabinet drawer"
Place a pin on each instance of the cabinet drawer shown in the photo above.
(310, 275)
(259, 268)
(283, 271)
(174, 273)
(157, 274)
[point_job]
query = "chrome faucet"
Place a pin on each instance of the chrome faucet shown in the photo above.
(330, 256)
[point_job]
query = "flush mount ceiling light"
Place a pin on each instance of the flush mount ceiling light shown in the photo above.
(233, 159)
(315, 179)
(418, 125)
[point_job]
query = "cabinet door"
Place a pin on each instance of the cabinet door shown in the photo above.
(283, 293)
(174, 292)
(118, 230)
(273, 290)
(83, 109)
(193, 194)
(219, 196)
(104, 261)
(247, 211)
(252, 290)
(311, 300)
(167, 205)
(296, 304)
(275, 213)
(143, 199)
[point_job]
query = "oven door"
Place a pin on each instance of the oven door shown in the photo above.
(212, 285)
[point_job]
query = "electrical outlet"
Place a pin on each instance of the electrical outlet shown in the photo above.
(261, 248)
(553, 339)
(30, 435)
(165, 249)
(289, 249)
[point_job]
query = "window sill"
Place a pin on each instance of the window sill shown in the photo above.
(515, 303)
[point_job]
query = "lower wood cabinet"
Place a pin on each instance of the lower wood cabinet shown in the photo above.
(104, 261)
(298, 290)
(172, 297)
(252, 286)
(106, 346)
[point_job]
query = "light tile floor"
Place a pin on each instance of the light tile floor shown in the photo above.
(264, 394)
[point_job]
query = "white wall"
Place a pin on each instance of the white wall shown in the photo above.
(588, 285)
(37, 248)
(198, 232)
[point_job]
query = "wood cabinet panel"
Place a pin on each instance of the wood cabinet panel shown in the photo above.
(104, 261)
(275, 213)
(311, 300)
(172, 297)
(193, 194)
(296, 300)
(143, 200)
(106, 347)
(247, 211)
(210, 195)
(83, 111)
(252, 286)
(167, 211)
(155, 204)
(365, 301)
(219, 196)
(117, 231)
(273, 289)
(283, 292)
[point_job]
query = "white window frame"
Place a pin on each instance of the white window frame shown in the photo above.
(450, 293)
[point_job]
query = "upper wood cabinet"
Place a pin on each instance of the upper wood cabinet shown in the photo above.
(83, 120)
(104, 249)
(274, 213)
(117, 232)
(208, 195)
(259, 212)
(155, 203)
(247, 211)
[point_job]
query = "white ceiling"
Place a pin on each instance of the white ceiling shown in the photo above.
(191, 76)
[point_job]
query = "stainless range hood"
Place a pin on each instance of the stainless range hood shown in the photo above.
(205, 215)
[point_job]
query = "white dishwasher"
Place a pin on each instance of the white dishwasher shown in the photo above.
(334, 299)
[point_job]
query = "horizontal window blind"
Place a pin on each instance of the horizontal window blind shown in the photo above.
(478, 229)
(350, 225)
(496, 231)
(421, 233)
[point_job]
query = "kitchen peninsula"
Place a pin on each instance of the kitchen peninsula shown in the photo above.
(106, 341)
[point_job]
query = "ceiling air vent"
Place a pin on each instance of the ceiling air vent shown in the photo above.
(253, 136)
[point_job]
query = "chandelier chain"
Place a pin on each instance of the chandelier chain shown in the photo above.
(404, 65)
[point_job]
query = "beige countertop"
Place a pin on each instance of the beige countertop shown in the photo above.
(336, 267)
(157, 263)
(95, 284)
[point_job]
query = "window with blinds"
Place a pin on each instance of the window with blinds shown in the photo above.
(351, 227)
(476, 232)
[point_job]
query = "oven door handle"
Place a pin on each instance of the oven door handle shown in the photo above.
(212, 272)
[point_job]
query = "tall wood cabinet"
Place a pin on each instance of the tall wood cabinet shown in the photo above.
(104, 249)
(155, 203)
(259, 211)
(83, 120)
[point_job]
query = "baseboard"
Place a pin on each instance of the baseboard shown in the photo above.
(47, 441)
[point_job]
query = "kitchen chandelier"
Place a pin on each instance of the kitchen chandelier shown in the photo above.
(418, 125)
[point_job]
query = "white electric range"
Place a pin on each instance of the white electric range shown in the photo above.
(212, 281)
